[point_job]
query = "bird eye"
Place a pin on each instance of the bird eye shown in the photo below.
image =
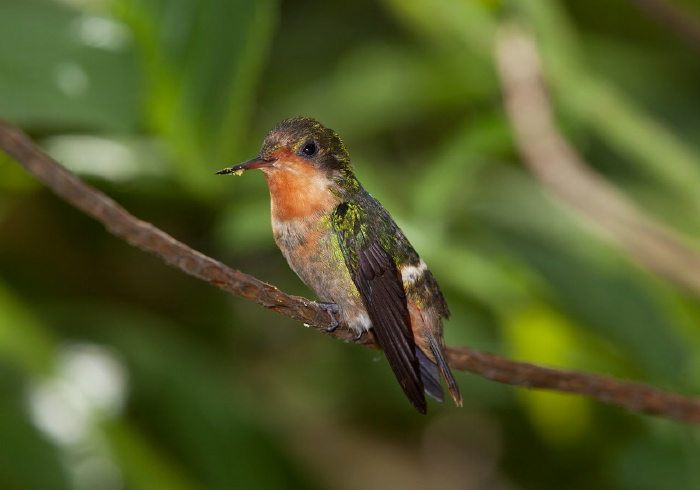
(309, 149)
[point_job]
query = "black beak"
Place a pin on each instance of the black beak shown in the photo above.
(256, 162)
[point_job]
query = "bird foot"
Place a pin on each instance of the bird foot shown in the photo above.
(332, 309)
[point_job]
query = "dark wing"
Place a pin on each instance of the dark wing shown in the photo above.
(380, 285)
(378, 280)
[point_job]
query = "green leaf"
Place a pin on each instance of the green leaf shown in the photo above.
(64, 69)
(201, 61)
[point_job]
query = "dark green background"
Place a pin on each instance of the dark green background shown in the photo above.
(117, 371)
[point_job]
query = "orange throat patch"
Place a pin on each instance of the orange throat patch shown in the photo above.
(298, 190)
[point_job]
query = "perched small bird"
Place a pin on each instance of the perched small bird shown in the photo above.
(346, 247)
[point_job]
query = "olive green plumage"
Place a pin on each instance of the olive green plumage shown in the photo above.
(362, 220)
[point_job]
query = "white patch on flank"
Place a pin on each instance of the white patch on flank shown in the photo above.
(360, 323)
(411, 273)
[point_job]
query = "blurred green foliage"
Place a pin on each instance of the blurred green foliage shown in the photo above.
(119, 372)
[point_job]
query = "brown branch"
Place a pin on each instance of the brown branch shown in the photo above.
(632, 396)
(636, 397)
(557, 165)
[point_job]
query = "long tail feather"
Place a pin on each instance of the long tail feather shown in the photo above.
(445, 370)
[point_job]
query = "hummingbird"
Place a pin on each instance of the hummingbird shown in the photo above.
(346, 247)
